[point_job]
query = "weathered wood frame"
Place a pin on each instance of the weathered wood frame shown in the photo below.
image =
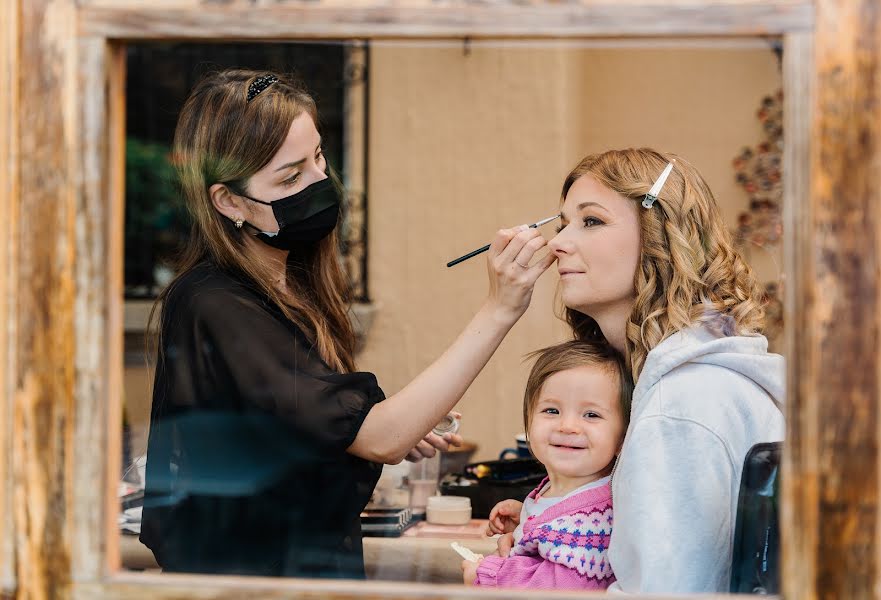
(61, 203)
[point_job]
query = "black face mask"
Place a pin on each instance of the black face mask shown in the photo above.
(307, 216)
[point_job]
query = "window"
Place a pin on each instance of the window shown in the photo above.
(160, 76)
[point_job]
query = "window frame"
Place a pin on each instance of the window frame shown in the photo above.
(58, 500)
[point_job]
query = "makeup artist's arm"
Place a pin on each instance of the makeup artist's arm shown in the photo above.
(395, 426)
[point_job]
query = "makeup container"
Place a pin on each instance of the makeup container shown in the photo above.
(425, 474)
(449, 424)
(448, 510)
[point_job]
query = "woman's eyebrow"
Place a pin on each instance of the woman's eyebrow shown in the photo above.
(291, 165)
(581, 207)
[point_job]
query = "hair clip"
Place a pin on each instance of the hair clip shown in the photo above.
(652, 196)
(260, 84)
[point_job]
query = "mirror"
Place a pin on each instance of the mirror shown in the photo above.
(439, 145)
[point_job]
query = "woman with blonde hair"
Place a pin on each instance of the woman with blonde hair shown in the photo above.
(265, 442)
(657, 276)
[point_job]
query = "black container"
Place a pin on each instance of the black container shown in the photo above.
(488, 483)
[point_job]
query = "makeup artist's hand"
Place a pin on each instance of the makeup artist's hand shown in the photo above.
(431, 443)
(513, 268)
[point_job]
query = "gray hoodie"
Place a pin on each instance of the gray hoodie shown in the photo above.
(702, 400)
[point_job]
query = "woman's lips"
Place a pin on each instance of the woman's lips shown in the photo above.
(569, 273)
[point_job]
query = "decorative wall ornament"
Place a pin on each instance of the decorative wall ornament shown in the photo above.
(772, 297)
(759, 172)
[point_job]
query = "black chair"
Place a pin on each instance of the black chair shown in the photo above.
(755, 562)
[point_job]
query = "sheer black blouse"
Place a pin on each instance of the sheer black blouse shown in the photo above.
(247, 469)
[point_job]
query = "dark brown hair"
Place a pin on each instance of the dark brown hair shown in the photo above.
(570, 355)
(221, 137)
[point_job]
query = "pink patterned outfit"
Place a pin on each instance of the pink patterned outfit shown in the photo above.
(560, 543)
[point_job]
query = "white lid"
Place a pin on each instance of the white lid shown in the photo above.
(449, 502)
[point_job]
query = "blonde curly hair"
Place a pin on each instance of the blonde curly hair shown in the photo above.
(689, 271)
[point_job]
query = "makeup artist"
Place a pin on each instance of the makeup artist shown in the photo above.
(265, 441)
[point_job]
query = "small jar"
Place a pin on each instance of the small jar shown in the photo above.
(448, 510)
(449, 424)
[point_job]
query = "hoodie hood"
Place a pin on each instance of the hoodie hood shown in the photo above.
(746, 355)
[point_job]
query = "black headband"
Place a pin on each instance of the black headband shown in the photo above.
(260, 84)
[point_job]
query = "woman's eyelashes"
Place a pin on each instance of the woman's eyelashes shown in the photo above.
(319, 159)
(588, 222)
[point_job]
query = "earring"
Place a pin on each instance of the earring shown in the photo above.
(239, 223)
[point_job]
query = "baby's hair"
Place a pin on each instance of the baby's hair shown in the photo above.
(570, 355)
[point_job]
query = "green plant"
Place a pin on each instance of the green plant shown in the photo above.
(155, 219)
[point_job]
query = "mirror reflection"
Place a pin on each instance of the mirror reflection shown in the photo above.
(591, 402)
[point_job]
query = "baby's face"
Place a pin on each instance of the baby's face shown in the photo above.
(577, 426)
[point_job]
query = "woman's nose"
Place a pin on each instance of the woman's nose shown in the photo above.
(558, 244)
(314, 173)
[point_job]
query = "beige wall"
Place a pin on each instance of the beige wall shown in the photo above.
(464, 142)
(699, 103)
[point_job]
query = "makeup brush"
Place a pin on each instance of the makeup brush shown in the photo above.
(473, 253)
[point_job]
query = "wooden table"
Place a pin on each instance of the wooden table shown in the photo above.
(421, 554)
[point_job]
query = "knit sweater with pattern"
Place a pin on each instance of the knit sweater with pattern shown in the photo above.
(563, 547)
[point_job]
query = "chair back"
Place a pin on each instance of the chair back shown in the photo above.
(755, 562)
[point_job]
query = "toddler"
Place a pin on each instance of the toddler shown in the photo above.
(576, 408)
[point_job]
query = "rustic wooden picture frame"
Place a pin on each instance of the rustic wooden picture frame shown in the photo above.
(61, 202)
